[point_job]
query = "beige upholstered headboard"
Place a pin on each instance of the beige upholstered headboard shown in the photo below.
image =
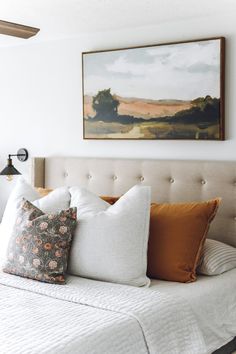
(171, 181)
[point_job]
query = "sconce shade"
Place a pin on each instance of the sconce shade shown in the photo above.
(9, 170)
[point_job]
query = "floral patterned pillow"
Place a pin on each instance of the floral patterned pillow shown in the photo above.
(40, 244)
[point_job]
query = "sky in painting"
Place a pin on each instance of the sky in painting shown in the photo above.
(178, 71)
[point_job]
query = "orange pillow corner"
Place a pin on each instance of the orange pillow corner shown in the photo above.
(43, 192)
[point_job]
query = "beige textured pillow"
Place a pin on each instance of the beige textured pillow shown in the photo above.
(110, 242)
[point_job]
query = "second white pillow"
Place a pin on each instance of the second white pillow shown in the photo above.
(110, 242)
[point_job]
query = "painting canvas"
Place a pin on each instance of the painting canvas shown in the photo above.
(167, 91)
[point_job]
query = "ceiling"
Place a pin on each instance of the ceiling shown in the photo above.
(70, 18)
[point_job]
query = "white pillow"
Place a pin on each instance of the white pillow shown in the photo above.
(110, 241)
(217, 258)
(57, 200)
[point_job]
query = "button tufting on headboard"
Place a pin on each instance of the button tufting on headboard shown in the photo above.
(197, 180)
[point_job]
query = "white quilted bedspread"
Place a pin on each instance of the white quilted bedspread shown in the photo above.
(91, 317)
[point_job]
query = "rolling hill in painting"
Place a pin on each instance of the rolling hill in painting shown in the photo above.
(108, 116)
(141, 107)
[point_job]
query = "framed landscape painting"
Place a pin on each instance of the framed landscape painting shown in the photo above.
(166, 91)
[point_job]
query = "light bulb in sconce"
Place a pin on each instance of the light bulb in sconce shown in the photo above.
(9, 178)
(9, 171)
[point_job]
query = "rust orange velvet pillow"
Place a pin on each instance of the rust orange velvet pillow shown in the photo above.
(177, 234)
(110, 200)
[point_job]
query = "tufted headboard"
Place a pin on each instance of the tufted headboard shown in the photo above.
(171, 181)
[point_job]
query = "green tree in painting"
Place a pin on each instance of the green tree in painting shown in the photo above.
(105, 105)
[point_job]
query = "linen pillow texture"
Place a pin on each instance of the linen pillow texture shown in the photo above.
(217, 258)
(110, 243)
(59, 199)
(177, 234)
(40, 244)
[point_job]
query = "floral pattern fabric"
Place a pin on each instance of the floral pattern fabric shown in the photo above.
(40, 244)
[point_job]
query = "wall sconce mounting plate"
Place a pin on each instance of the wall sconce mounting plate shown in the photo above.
(22, 155)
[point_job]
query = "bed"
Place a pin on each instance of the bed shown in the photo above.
(87, 316)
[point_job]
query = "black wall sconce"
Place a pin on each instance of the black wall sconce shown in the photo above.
(10, 170)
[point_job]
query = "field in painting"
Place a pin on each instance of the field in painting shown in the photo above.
(103, 130)
(139, 107)
(136, 118)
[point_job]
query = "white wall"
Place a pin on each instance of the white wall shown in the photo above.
(41, 97)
